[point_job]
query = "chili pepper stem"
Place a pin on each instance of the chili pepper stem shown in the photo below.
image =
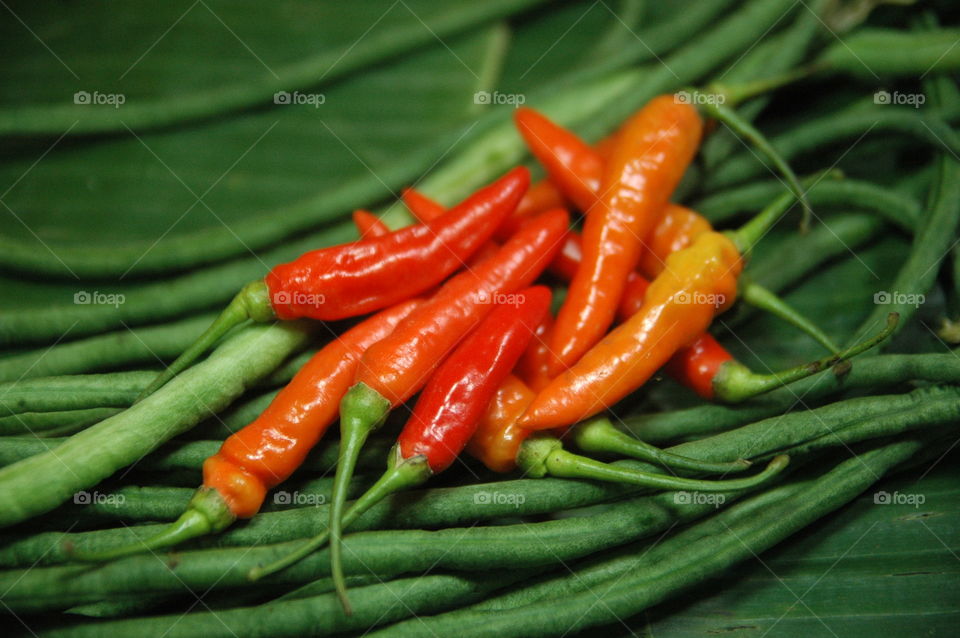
(600, 435)
(746, 131)
(762, 298)
(207, 513)
(747, 236)
(735, 382)
(544, 456)
(362, 410)
(399, 476)
(252, 302)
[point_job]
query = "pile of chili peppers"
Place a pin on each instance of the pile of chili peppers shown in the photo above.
(462, 319)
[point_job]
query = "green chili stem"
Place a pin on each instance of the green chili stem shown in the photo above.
(735, 382)
(747, 131)
(766, 300)
(252, 302)
(207, 513)
(599, 435)
(563, 464)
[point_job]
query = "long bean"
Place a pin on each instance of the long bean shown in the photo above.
(74, 392)
(649, 575)
(806, 137)
(51, 424)
(898, 209)
(86, 458)
(140, 346)
(935, 236)
(474, 548)
(409, 32)
(881, 371)
(184, 456)
(842, 423)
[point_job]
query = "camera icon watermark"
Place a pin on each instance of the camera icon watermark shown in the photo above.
(685, 298)
(885, 298)
(898, 498)
(96, 98)
(496, 97)
(499, 498)
(98, 498)
(97, 298)
(699, 498)
(514, 299)
(699, 97)
(286, 98)
(299, 499)
(293, 298)
(916, 100)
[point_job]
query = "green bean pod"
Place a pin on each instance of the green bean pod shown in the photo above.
(86, 458)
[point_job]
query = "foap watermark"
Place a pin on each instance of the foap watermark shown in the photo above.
(898, 498)
(86, 98)
(298, 498)
(313, 99)
(699, 498)
(295, 298)
(496, 97)
(885, 298)
(97, 298)
(499, 498)
(699, 299)
(916, 100)
(501, 298)
(98, 498)
(699, 97)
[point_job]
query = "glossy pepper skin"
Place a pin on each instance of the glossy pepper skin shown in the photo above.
(497, 440)
(574, 167)
(697, 284)
(397, 367)
(361, 277)
(445, 417)
(369, 225)
(650, 156)
(269, 449)
(454, 401)
(695, 366)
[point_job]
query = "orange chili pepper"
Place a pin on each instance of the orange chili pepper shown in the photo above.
(497, 440)
(698, 283)
(269, 449)
(646, 164)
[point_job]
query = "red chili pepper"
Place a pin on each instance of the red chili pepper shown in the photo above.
(396, 368)
(447, 413)
(269, 449)
(541, 197)
(574, 167)
(369, 225)
(363, 276)
(534, 366)
(646, 164)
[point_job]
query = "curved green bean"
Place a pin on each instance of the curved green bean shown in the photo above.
(870, 52)
(126, 347)
(48, 394)
(881, 371)
(806, 137)
(50, 424)
(648, 575)
(328, 65)
(899, 209)
(86, 458)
